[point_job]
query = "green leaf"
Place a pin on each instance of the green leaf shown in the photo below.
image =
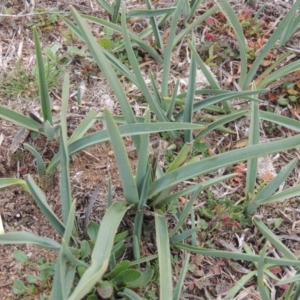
(143, 280)
(239, 256)
(100, 59)
(232, 18)
(125, 130)
(130, 294)
(149, 13)
(43, 85)
(19, 287)
(188, 107)
(102, 250)
(273, 239)
(92, 231)
(126, 276)
(122, 266)
(20, 256)
(65, 182)
(164, 258)
(222, 160)
(252, 140)
(23, 237)
(83, 127)
(5, 182)
(120, 153)
(19, 119)
(85, 249)
(182, 276)
(260, 274)
(41, 167)
(271, 186)
(41, 201)
(169, 48)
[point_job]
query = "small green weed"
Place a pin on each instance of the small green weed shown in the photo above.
(24, 83)
(37, 284)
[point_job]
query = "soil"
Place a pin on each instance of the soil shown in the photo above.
(96, 164)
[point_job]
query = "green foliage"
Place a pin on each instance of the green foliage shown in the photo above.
(99, 264)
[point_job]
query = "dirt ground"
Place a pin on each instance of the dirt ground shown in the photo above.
(88, 168)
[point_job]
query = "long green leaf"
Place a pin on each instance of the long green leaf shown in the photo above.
(83, 127)
(232, 18)
(19, 119)
(169, 48)
(186, 211)
(219, 98)
(222, 160)
(260, 274)
(239, 256)
(188, 107)
(273, 239)
(272, 186)
(160, 114)
(149, 13)
(180, 282)
(155, 29)
(135, 38)
(280, 120)
(5, 182)
(120, 153)
(271, 42)
(41, 167)
(102, 250)
(125, 130)
(41, 201)
(253, 140)
(282, 196)
(219, 122)
(43, 86)
(143, 162)
(100, 59)
(65, 182)
(164, 258)
(23, 237)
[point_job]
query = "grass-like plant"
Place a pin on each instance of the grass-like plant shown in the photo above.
(149, 190)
